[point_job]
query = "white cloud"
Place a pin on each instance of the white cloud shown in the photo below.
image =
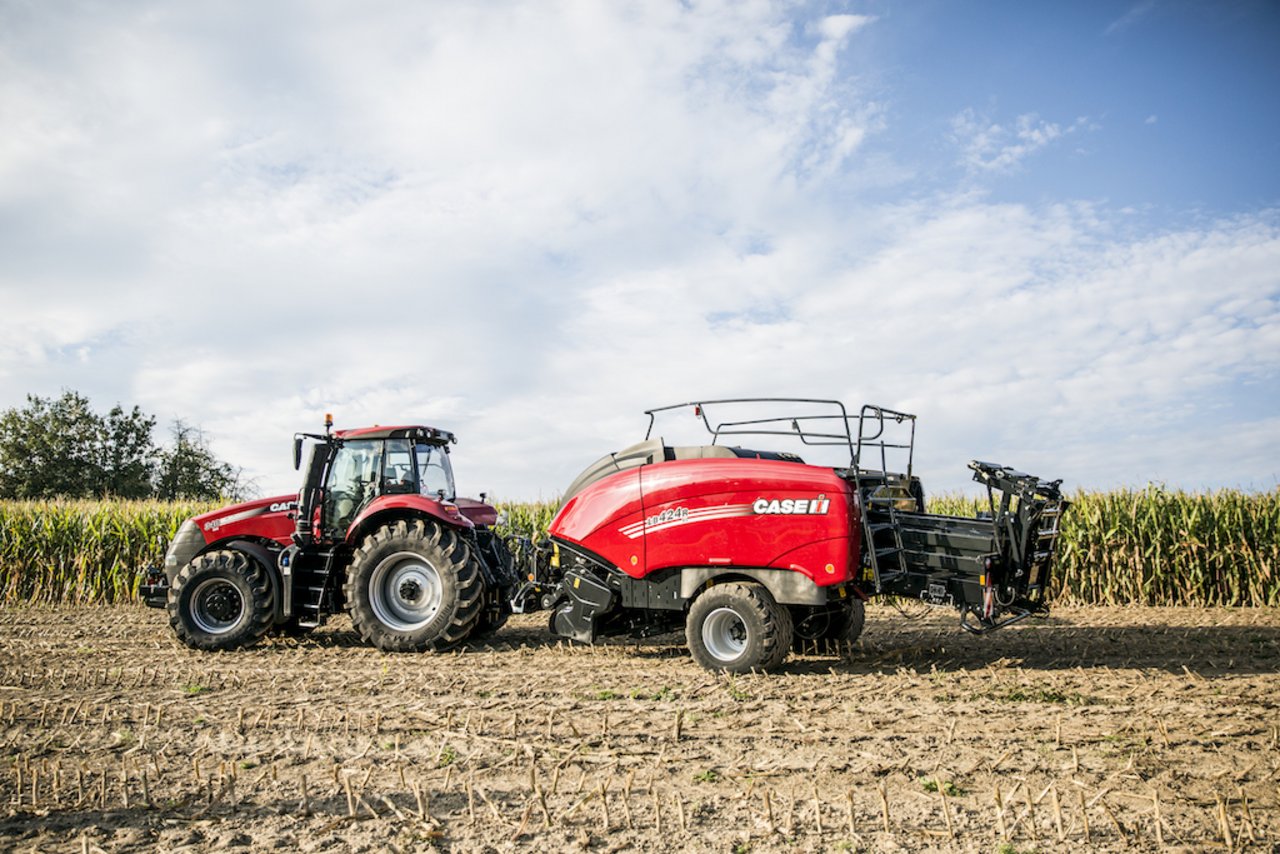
(988, 147)
(527, 222)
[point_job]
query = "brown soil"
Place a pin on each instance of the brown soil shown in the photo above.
(1158, 725)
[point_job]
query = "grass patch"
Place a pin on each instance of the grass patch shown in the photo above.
(948, 788)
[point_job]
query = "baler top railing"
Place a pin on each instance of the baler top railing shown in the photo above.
(833, 427)
(875, 416)
(806, 428)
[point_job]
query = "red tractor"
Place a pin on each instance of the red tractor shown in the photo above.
(753, 551)
(376, 530)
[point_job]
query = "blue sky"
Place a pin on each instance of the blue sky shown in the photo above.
(1052, 230)
(1178, 97)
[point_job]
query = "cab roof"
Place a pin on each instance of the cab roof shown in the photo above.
(409, 431)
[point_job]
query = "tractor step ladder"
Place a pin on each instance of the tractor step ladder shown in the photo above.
(882, 536)
(309, 591)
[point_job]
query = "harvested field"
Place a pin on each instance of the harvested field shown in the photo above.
(1100, 728)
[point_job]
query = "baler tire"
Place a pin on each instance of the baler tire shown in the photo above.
(720, 615)
(221, 600)
(844, 627)
(395, 566)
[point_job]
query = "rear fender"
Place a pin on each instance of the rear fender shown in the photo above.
(379, 509)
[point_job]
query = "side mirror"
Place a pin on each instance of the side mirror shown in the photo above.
(297, 452)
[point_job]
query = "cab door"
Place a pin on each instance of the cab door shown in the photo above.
(355, 476)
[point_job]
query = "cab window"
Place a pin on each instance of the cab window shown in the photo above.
(397, 472)
(434, 474)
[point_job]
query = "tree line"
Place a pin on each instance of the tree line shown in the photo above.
(62, 448)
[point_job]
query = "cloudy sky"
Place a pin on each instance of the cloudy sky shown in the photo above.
(1051, 230)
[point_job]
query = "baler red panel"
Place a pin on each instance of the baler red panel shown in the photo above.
(593, 517)
(824, 561)
(748, 513)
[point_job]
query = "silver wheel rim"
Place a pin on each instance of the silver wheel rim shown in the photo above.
(216, 606)
(724, 634)
(405, 592)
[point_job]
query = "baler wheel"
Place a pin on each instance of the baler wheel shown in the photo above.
(831, 631)
(221, 600)
(413, 586)
(738, 627)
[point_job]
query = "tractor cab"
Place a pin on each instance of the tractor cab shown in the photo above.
(348, 469)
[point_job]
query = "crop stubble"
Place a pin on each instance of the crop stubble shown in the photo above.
(1157, 726)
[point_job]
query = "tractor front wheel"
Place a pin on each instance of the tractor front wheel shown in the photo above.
(413, 586)
(738, 627)
(221, 600)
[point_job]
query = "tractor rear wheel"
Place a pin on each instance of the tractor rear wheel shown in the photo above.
(830, 630)
(738, 627)
(221, 600)
(413, 586)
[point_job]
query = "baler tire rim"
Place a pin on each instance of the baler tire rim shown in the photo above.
(724, 634)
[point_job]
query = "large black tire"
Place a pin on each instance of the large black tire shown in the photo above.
(413, 586)
(738, 627)
(221, 600)
(493, 616)
(831, 630)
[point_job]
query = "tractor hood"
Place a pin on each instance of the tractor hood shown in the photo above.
(264, 517)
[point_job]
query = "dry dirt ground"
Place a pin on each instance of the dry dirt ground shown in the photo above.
(1097, 729)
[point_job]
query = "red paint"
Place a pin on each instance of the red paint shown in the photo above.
(704, 513)
(477, 511)
(254, 519)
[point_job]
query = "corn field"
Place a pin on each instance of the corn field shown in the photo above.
(1151, 547)
(83, 551)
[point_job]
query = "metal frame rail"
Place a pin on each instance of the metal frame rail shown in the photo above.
(832, 428)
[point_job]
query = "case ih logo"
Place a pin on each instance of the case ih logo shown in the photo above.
(791, 506)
